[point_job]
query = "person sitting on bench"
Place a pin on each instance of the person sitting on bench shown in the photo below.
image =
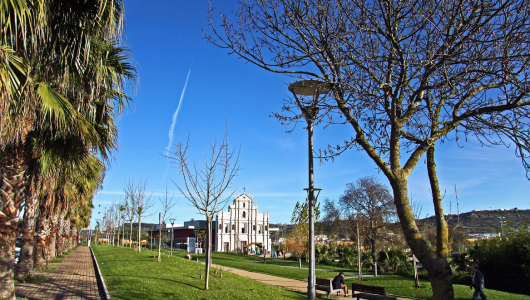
(338, 283)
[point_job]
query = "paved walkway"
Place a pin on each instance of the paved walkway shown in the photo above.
(286, 283)
(74, 279)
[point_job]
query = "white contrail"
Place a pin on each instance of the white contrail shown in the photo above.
(175, 120)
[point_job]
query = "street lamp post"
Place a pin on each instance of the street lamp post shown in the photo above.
(97, 232)
(196, 241)
(130, 233)
(311, 88)
(152, 230)
(172, 222)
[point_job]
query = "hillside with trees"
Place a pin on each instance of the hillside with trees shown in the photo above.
(485, 221)
(473, 222)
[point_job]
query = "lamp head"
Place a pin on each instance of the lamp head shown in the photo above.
(309, 87)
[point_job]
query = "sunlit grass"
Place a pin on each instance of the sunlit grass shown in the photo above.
(394, 284)
(129, 275)
(404, 286)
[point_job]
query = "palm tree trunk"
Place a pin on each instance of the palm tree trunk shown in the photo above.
(13, 183)
(42, 240)
(25, 267)
(7, 262)
(75, 235)
(60, 236)
(40, 253)
(52, 240)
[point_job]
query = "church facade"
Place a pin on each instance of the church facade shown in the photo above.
(242, 227)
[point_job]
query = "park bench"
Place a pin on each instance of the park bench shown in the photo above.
(369, 292)
(326, 285)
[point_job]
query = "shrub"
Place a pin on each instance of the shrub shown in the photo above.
(394, 260)
(505, 262)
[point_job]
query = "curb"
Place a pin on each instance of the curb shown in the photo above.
(99, 277)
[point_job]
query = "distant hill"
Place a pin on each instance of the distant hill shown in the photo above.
(485, 221)
(473, 222)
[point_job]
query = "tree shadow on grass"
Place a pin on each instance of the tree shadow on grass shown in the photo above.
(154, 278)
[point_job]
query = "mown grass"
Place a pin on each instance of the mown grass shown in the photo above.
(129, 275)
(55, 261)
(394, 284)
(404, 286)
(275, 266)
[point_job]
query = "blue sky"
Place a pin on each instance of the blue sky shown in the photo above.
(167, 43)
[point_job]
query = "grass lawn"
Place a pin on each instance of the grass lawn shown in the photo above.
(129, 275)
(404, 286)
(289, 268)
(395, 284)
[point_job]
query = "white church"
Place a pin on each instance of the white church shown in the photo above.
(241, 228)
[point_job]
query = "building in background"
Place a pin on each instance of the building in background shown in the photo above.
(242, 228)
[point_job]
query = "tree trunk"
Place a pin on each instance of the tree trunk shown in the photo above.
(130, 236)
(437, 267)
(208, 245)
(372, 244)
(60, 237)
(139, 233)
(25, 267)
(52, 240)
(119, 227)
(40, 254)
(8, 237)
(442, 232)
(42, 240)
(74, 236)
(159, 236)
(13, 182)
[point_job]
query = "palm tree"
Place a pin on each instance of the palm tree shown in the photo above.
(73, 146)
(68, 93)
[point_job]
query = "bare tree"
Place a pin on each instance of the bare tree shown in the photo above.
(167, 203)
(129, 213)
(205, 185)
(372, 202)
(121, 216)
(136, 192)
(403, 75)
(332, 219)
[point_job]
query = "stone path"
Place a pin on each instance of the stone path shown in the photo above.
(74, 279)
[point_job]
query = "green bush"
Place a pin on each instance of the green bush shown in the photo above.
(395, 260)
(505, 262)
(324, 254)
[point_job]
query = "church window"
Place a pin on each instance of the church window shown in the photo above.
(220, 226)
(233, 226)
(244, 215)
(243, 204)
(226, 229)
(266, 227)
(254, 227)
(243, 230)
